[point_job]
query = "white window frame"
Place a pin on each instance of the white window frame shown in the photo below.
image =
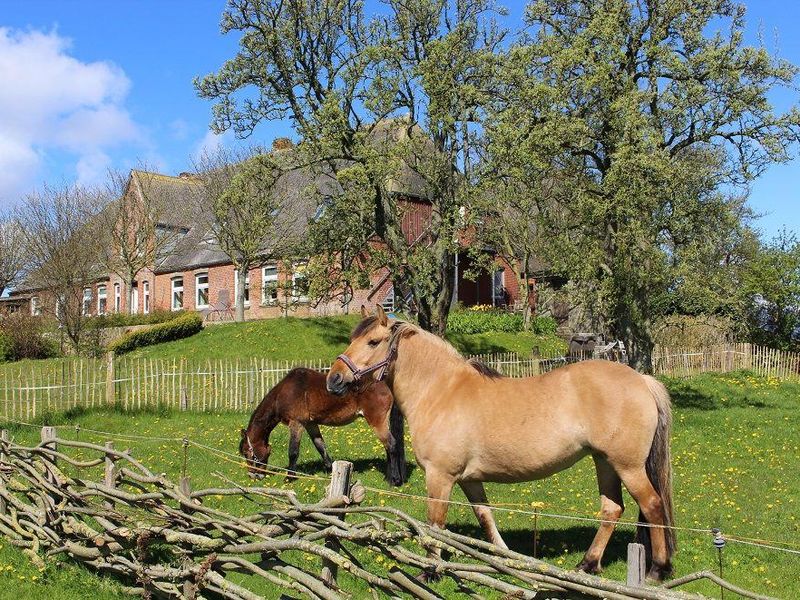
(145, 297)
(102, 294)
(497, 292)
(36, 306)
(269, 280)
(388, 302)
(298, 273)
(117, 297)
(236, 287)
(201, 286)
(134, 299)
(86, 305)
(176, 287)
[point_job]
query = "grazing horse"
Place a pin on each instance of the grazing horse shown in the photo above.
(301, 401)
(470, 426)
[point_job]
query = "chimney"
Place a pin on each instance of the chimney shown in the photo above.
(282, 143)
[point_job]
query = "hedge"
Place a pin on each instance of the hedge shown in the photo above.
(6, 348)
(126, 320)
(184, 326)
(481, 320)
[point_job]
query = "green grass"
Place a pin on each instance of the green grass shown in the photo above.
(735, 457)
(296, 339)
(20, 579)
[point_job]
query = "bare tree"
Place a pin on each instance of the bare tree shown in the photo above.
(12, 253)
(60, 231)
(249, 204)
(145, 216)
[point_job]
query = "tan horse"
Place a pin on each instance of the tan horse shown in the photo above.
(469, 426)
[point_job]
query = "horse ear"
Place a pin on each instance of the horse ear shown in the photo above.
(382, 319)
(364, 313)
(244, 433)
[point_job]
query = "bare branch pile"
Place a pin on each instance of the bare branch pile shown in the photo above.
(168, 542)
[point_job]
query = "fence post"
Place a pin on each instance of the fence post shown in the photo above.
(110, 379)
(340, 486)
(184, 399)
(3, 440)
(636, 565)
(109, 477)
(48, 434)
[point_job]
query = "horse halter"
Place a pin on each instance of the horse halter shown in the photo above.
(383, 365)
(257, 462)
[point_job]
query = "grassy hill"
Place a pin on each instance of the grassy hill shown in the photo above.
(296, 339)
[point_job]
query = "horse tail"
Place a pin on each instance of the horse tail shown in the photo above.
(659, 466)
(397, 455)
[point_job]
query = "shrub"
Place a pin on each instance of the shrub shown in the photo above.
(21, 336)
(544, 325)
(125, 320)
(184, 326)
(480, 321)
(6, 348)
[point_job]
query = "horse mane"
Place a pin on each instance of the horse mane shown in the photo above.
(484, 369)
(402, 329)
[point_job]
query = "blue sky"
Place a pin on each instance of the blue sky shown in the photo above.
(88, 85)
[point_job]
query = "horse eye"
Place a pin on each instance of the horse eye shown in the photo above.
(373, 343)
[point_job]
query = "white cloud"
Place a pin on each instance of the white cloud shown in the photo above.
(53, 102)
(210, 144)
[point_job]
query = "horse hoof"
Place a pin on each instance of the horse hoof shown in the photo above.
(589, 566)
(659, 573)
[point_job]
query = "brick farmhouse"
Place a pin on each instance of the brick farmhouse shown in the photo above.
(195, 274)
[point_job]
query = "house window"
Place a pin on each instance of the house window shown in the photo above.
(246, 287)
(201, 290)
(498, 288)
(388, 303)
(177, 293)
(36, 306)
(269, 285)
(135, 298)
(101, 300)
(117, 298)
(86, 309)
(145, 297)
(300, 284)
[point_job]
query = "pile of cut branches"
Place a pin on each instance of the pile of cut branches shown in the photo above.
(163, 540)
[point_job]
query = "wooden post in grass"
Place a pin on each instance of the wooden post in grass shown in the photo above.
(184, 399)
(109, 477)
(3, 438)
(636, 565)
(340, 486)
(110, 379)
(48, 435)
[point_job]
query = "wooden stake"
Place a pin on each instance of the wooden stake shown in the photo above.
(3, 438)
(636, 565)
(110, 378)
(340, 486)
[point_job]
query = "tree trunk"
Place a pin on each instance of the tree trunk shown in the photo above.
(637, 338)
(241, 282)
(129, 294)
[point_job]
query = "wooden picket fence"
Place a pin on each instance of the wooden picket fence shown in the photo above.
(31, 388)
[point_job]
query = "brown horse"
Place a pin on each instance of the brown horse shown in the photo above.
(301, 401)
(468, 427)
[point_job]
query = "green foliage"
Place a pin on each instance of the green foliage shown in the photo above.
(22, 336)
(543, 325)
(184, 326)
(480, 321)
(772, 287)
(6, 347)
(642, 118)
(126, 320)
